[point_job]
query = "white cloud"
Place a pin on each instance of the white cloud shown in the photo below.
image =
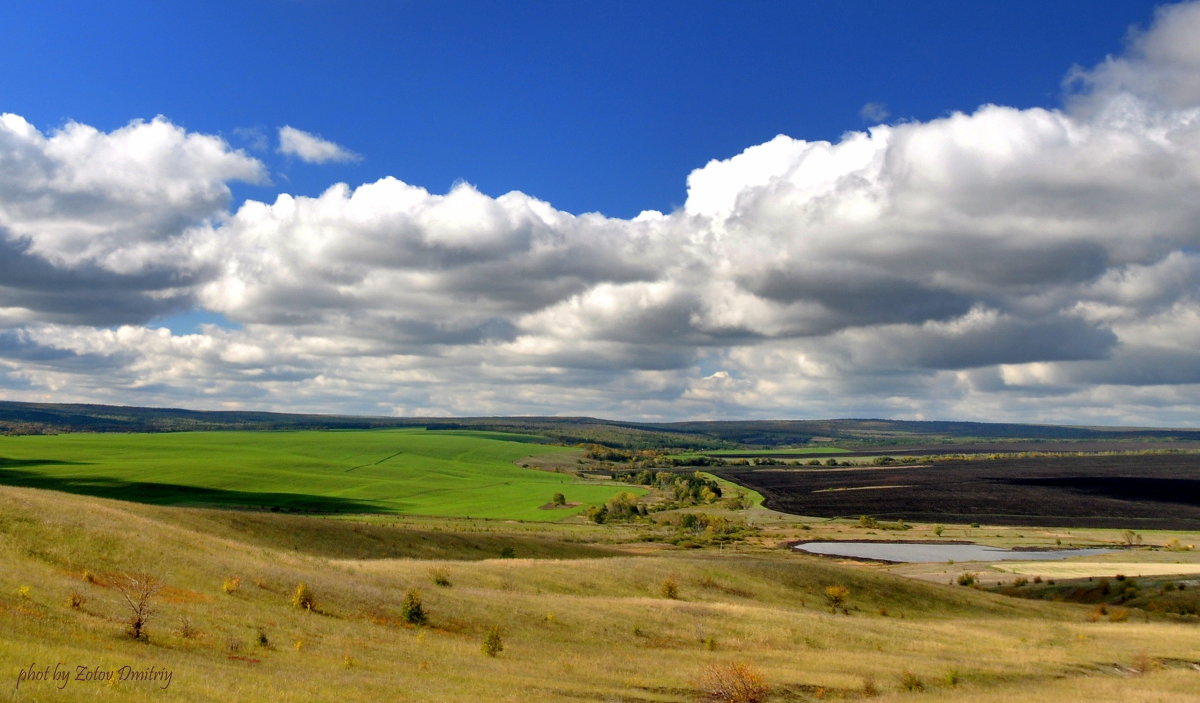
(311, 148)
(874, 112)
(1005, 264)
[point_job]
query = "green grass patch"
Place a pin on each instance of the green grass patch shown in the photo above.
(406, 471)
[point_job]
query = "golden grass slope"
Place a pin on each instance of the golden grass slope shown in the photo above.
(588, 622)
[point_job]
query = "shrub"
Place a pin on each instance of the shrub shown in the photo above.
(952, 678)
(836, 597)
(411, 609)
(186, 629)
(231, 584)
(1143, 663)
(440, 577)
(735, 682)
(138, 590)
(966, 578)
(508, 553)
(938, 530)
(492, 643)
(75, 600)
(911, 682)
(89, 576)
(1118, 615)
(559, 499)
(261, 638)
(669, 588)
(869, 689)
(303, 598)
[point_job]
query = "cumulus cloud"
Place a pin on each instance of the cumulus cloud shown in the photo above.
(1007, 264)
(311, 148)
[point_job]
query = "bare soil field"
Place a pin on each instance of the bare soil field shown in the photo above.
(1108, 491)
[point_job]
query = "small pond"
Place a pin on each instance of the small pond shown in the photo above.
(914, 552)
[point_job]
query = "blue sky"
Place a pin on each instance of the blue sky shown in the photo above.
(951, 210)
(590, 106)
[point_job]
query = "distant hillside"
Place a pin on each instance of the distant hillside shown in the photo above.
(49, 418)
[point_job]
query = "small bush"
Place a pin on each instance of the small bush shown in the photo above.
(492, 643)
(710, 644)
(559, 499)
(1143, 663)
(1022, 581)
(76, 600)
(440, 577)
(966, 579)
(411, 609)
(736, 682)
(1118, 615)
(869, 688)
(186, 629)
(508, 553)
(836, 596)
(262, 639)
(911, 682)
(23, 592)
(952, 678)
(938, 530)
(303, 598)
(669, 588)
(89, 576)
(231, 584)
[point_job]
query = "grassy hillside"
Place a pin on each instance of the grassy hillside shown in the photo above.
(589, 622)
(408, 471)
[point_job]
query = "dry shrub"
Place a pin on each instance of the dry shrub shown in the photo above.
(76, 600)
(139, 591)
(836, 597)
(869, 688)
(303, 598)
(231, 584)
(911, 682)
(669, 588)
(736, 682)
(1143, 663)
(1118, 615)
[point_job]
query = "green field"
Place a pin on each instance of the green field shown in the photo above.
(408, 471)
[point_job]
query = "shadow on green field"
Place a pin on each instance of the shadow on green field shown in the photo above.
(6, 462)
(175, 494)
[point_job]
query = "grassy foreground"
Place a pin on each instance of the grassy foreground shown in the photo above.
(588, 620)
(408, 471)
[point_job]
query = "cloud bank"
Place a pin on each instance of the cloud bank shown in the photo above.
(1004, 264)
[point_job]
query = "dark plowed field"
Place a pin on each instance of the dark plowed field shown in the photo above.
(1139, 492)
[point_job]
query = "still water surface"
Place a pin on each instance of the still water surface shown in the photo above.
(910, 552)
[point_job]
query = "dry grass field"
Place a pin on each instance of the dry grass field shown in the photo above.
(581, 610)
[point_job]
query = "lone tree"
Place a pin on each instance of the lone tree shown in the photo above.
(138, 590)
(559, 499)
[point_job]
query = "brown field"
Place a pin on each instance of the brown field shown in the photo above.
(1151, 491)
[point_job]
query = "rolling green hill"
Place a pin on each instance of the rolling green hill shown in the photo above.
(406, 471)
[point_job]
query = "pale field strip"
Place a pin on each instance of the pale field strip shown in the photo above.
(1088, 569)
